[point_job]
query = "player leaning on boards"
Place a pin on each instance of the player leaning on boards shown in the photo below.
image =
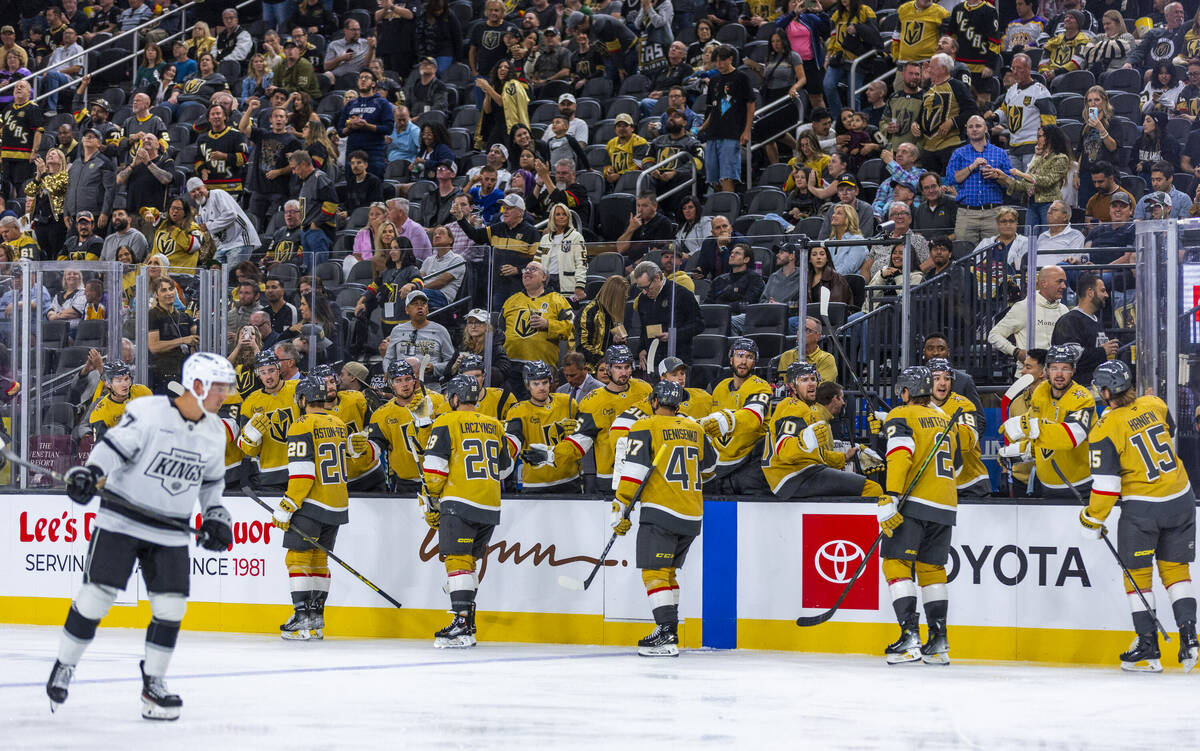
(920, 538)
(315, 503)
(465, 461)
(672, 504)
(401, 426)
(535, 429)
(166, 454)
(268, 413)
(599, 410)
(1132, 459)
(742, 402)
(118, 377)
(1061, 412)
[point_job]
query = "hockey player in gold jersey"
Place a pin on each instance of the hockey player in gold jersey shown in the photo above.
(973, 480)
(315, 503)
(535, 429)
(799, 460)
(118, 378)
(601, 408)
(920, 537)
(465, 461)
(490, 401)
(267, 414)
(1060, 415)
(738, 423)
(1133, 459)
(366, 472)
(672, 456)
(698, 403)
(401, 427)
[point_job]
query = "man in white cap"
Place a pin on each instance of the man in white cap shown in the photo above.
(514, 241)
(420, 337)
(224, 219)
(577, 128)
(626, 149)
(497, 159)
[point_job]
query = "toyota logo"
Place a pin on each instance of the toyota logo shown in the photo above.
(837, 557)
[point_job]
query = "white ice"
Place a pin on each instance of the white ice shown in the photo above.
(253, 691)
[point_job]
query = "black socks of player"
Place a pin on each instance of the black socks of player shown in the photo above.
(666, 614)
(79, 628)
(906, 611)
(1184, 609)
(162, 634)
(935, 612)
(461, 600)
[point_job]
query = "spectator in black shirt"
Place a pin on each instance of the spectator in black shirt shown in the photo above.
(147, 179)
(712, 260)
(427, 92)
(937, 213)
(647, 229)
(269, 176)
(727, 125)
(741, 287)
(282, 313)
(561, 187)
(435, 207)
(1081, 325)
(362, 188)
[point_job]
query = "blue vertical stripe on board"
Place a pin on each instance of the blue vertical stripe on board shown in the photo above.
(720, 574)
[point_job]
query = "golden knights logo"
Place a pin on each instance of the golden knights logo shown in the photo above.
(1164, 49)
(490, 39)
(522, 327)
(935, 108)
(281, 420)
(913, 32)
(176, 469)
(193, 85)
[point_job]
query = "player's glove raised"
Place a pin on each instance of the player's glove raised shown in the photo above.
(422, 413)
(719, 424)
(216, 530)
(568, 425)
(620, 522)
(1091, 527)
(1021, 426)
(282, 517)
(1014, 452)
(538, 455)
(81, 483)
(875, 421)
(358, 444)
(253, 431)
(889, 516)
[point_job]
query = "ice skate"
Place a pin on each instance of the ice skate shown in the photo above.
(460, 634)
(60, 679)
(1143, 655)
(298, 626)
(316, 617)
(905, 649)
(662, 642)
(936, 649)
(158, 703)
(1188, 646)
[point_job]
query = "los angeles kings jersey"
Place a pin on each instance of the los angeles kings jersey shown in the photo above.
(159, 461)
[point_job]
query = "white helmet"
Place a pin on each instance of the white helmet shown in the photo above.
(208, 369)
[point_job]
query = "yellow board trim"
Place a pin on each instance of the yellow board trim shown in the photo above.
(360, 622)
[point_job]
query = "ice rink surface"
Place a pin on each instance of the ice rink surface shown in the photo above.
(258, 692)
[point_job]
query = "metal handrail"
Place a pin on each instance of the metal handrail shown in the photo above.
(854, 73)
(767, 109)
(889, 73)
(637, 187)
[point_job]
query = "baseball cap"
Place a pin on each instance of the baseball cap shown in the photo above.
(1120, 196)
(848, 179)
(670, 365)
(624, 118)
(103, 104)
(416, 294)
(290, 43)
(7, 30)
(450, 166)
(92, 132)
(575, 19)
(193, 183)
(478, 314)
(357, 371)
(512, 200)
(85, 214)
(503, 149)
(567, 98)
(428, 61)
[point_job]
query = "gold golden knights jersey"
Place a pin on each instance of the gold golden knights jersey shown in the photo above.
(597, 413)
(393, 429)
(970, 427)
(107, 412)
(271, 453)
(316, 450)
(791, 445)
(522, 341)
(749, 403)
(829, 455)
(1133, 458)
(699, 404)
(230, 411)
(1063, 426)
(528, 423)
(672, 455)
(351, 409)
(465, 460)
(1060, 52)
(919, 30)
(489, 403)
(944, 101)
(911, 432)
(1019, 406)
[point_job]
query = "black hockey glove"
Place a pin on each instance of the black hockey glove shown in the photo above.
(81, 483)
(216, 531)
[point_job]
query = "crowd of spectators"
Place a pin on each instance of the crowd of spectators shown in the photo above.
(381, 179)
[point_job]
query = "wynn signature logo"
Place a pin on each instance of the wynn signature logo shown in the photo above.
(503, 551)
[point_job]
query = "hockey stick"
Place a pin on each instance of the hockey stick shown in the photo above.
(566, 582)
(106, 496)
(813, 620)
(1112, 549)
(313, 541)
(1016, 389)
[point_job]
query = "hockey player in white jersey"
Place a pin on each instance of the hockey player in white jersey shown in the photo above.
(164, 455)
